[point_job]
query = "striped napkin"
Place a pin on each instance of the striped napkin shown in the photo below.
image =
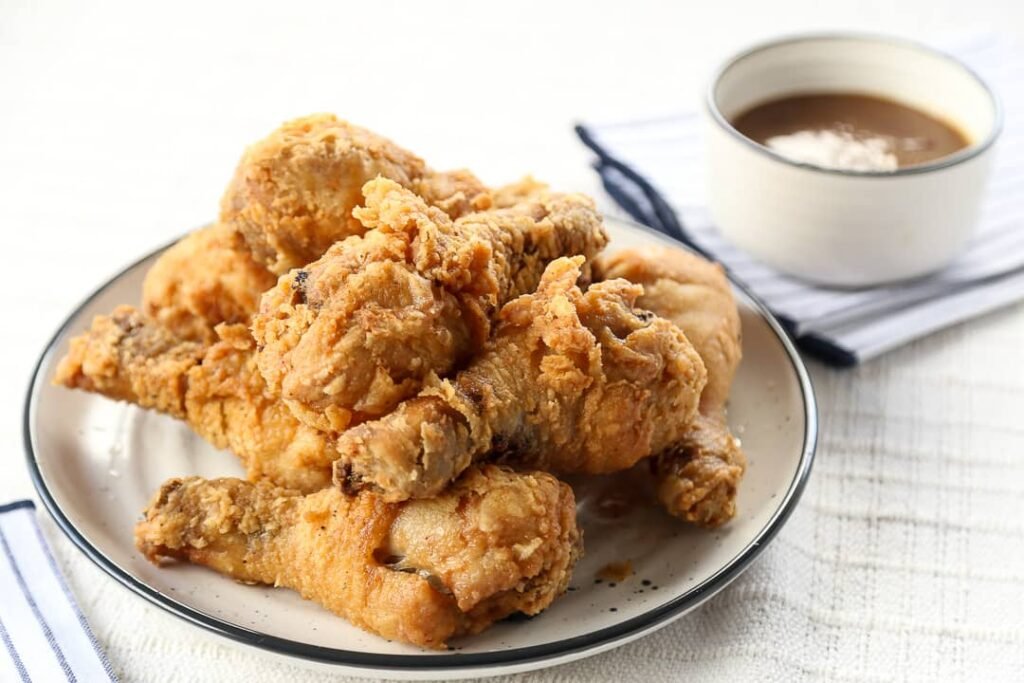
(653, 169)
(45, 636)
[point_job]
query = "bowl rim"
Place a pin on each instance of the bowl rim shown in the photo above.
(487, 663)
(966, 154)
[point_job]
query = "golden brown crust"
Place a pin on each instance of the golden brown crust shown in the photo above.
(495, 543)
(570, 382)
(293, 192)
(457, 193)
(694, 294)
(126, 358)
(519, 192)
(209, 277)
(697, 477)
(216, 389)
(346, 338)
(451, 305)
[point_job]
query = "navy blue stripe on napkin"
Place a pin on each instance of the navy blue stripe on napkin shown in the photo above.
(19, 666)
(17, 505)
(652, 167)
(44, 633)
(47, 631)
(73, 603)
(644, 204)
(659, 215)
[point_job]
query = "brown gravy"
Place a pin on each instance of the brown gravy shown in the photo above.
(849, 131)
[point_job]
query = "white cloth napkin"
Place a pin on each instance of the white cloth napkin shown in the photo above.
(44, 635)
(842, 326)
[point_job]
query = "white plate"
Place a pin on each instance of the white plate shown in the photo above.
(95, 463)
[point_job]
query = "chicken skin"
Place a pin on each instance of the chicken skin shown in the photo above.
(495, 543)
(347, 337)
(570, 382)
(293, 192)
(457, 193)
(291, 198)
(209, 277)
(404, 360)
(698, 476)
(216, 389)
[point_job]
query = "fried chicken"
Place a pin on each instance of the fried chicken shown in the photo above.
(209, 277)
(457, 193)
(216, 389)
(293, 192)
(526, 190)
(697, 477)
(570, 382)
(495, 543)
(291, 197)
(435, 348)
(347, 337)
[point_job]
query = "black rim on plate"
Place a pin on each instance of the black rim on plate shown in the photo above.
(451, 660)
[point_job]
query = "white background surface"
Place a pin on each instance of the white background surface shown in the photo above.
(119, 127)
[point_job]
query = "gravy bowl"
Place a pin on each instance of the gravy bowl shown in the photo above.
(839, 227)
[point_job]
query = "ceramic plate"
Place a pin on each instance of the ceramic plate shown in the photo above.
(95, 464)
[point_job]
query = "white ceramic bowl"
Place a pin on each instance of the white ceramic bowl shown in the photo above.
(849, 228)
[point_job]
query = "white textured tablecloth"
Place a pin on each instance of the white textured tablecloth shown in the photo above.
(119, 127)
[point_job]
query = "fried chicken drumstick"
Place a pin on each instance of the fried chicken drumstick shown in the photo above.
(177, 364)
(347, 337)
(216, 389)
(291, 198)
(423, 572)
(209, 277)
(425, 343)
(293, 192)
(697, 477)
(570, 382)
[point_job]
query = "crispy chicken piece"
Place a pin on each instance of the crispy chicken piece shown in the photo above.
(457, 193)
(346, 338)
(570, 382)
(525, 190)
(698, 476)
(497, 542)
(211, 276)
(207, 278)
(293, 192)
(126, 357)
(216, 389)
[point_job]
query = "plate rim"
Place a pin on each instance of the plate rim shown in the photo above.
(455, 661)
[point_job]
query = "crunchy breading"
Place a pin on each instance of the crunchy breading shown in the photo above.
(209, 277)
(293, 192)
(698, 476)
(216, 389)
(347, 337)
(570, 382)
(424, 572)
